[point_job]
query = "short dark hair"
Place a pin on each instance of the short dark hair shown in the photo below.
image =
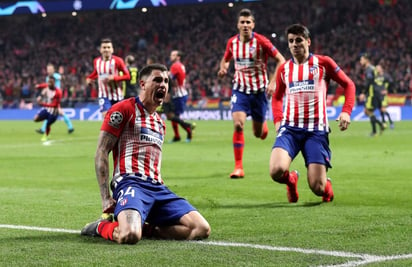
(51, 77)
(180, 53)
(245, 12)
(105, 40)
(147, 70)
(365, 55)
(298, 29)
(151, 59)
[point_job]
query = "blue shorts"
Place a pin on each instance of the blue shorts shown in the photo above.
(156, 204)
(105, 104)
(313, 145)
(179, 105)
(43, 114)
(254, 105)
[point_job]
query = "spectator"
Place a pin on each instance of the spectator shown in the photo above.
(378, 30)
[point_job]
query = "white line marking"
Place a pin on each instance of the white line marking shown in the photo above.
(299, 250)
(44, 229)
(362, 258)
(48, 143)
(37, 143)
(371, 259)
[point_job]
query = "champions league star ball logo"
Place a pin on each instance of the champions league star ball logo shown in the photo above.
(115, 119)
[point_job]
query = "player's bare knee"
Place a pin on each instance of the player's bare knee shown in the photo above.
(317, 187)
(129, 237)
(276, 172)
(257, 133)
(238, 126)
(202, 231)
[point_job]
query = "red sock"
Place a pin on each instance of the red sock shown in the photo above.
(175, 126)
(285, 178)
(238, 144)
(265, 131)
(106, 228)
(328, 189)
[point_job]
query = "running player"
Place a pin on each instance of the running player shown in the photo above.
(107, 70)
(250, 52)
(302, 82)
(49, 99)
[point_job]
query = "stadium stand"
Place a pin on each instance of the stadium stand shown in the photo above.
(343, 29)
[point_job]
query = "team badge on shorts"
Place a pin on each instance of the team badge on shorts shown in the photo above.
(123, 202)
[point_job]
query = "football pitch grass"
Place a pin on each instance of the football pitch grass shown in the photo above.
(48, 192)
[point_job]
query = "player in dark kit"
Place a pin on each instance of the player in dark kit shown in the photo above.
(373, 94)
(131, 87)
(382, 82)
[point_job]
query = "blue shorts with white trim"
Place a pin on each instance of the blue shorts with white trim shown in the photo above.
(314, 145)
(155, 202)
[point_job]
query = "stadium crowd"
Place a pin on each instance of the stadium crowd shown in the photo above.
(342, 29)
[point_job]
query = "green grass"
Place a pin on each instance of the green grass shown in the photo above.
(55, 187)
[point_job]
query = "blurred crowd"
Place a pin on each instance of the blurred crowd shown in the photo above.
(341, 29)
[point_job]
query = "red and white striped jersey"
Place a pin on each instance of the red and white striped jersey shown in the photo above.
(305, 86)
(102, 69)
(140, 139)
(178, 73)
(51, 100)
(250, 61)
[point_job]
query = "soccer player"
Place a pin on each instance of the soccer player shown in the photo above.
(130, 87)
(107, 70)
(250, 52)
(175, 104)
(303, 125)
(57, 77)
(373, 94)
(49, 99)
(134, 132)
(382, 81)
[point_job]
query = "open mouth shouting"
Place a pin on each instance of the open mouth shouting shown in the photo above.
(160, 95)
